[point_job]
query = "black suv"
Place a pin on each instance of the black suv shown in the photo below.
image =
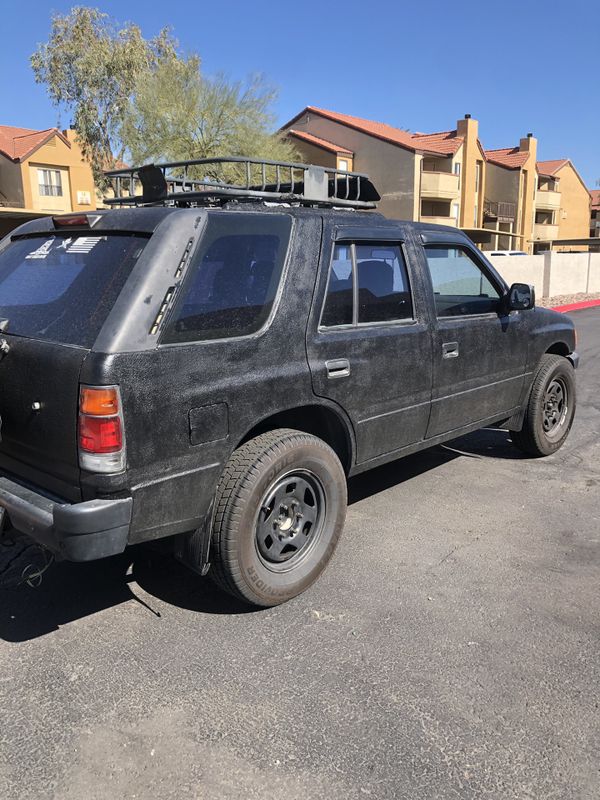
(209, 361)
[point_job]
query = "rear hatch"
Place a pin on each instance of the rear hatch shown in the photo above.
(56, 290)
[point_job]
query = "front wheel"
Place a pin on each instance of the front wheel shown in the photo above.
(550, 408)
(279, 512)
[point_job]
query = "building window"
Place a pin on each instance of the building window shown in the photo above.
(477, 175)
(343, 164)
(455, 209)
(50, 182)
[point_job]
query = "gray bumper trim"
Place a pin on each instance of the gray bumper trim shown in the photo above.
(79, 532)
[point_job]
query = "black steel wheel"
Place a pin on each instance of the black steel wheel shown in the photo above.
(550, 408)
(279, 512)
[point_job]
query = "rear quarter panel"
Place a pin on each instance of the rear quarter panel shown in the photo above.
(231, 384)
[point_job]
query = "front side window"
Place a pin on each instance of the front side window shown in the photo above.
(233, 278)
(50, 182)
(460, 286)
(368, 283)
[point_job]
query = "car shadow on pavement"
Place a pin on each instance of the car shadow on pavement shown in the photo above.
(69, 592)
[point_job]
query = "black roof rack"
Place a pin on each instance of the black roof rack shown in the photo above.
(214, 181)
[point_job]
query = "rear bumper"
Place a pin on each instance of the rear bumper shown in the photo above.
(79, 532)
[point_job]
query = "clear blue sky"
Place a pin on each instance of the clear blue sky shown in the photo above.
(517, 65)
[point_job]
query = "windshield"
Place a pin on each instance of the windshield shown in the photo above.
(61, 287)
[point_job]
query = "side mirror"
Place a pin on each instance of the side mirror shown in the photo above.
(520, 297)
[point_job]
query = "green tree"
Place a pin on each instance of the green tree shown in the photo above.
(140, 100)
(91, 67)
(178, 113)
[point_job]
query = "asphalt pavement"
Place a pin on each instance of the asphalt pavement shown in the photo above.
(451, 649)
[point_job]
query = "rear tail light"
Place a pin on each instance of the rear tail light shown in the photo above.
(101, 433)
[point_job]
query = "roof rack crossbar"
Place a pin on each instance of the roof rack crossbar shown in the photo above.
(209, 181)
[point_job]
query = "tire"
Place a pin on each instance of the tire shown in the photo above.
(280, 508)
(550, 408)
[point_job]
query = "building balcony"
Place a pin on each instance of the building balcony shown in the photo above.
(546, 199)
(439, 220)
(545, 233)
(499, 211)
(439, 185)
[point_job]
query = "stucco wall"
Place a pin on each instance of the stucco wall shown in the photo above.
(391, 168)
(552, 273)
(56, 154)
(522, 269)
(574, 214)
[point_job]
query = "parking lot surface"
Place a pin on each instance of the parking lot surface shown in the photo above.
(451, 649)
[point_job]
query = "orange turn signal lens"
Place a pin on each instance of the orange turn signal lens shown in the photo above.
(99, 402)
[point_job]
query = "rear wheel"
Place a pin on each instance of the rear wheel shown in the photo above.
(550, 408)
(279, 512)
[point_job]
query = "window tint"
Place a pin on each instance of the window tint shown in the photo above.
(383, 293)
(61, 287)
(339, 299)
(233, 279)
(459, 285)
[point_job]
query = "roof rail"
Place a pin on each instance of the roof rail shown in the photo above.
(214, 181)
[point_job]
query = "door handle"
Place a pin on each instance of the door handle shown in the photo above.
(338, 368)
(450, 350)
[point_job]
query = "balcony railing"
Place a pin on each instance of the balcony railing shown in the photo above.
(439, 185)
(499, 210)
(547, 199)
(544, 232)
(440, 220)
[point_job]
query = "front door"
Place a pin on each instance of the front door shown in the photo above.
(368, 344)
(479, 351)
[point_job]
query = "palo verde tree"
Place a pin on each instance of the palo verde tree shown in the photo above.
(140, 100)
(178, 113)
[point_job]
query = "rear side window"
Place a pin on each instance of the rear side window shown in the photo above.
(233, 279)
(382, 291)
(459, 284)
(61, 287)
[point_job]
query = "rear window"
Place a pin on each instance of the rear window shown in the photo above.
(61, 287)
(233, 279)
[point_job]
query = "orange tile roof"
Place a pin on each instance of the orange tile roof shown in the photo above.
(447, 142)
(510, 157)
(18, 143)
(550, 168)
(444, 143)
(378, 129)
(323, 143)
(595, 198)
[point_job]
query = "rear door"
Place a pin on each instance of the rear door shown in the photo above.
(368, 342)
(56, 290)
(479, 351)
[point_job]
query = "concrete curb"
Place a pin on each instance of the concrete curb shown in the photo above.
(576, 306)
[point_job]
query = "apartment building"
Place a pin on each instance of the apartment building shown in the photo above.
(504, 199)
(433, 177)
(41, 172)
(595, 214)
(562, 205)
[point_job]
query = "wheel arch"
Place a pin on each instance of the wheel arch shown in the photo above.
(559, 348)
(318, 419)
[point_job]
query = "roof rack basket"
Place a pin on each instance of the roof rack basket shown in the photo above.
(214, 181)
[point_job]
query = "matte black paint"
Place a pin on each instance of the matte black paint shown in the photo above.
(188, 406)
